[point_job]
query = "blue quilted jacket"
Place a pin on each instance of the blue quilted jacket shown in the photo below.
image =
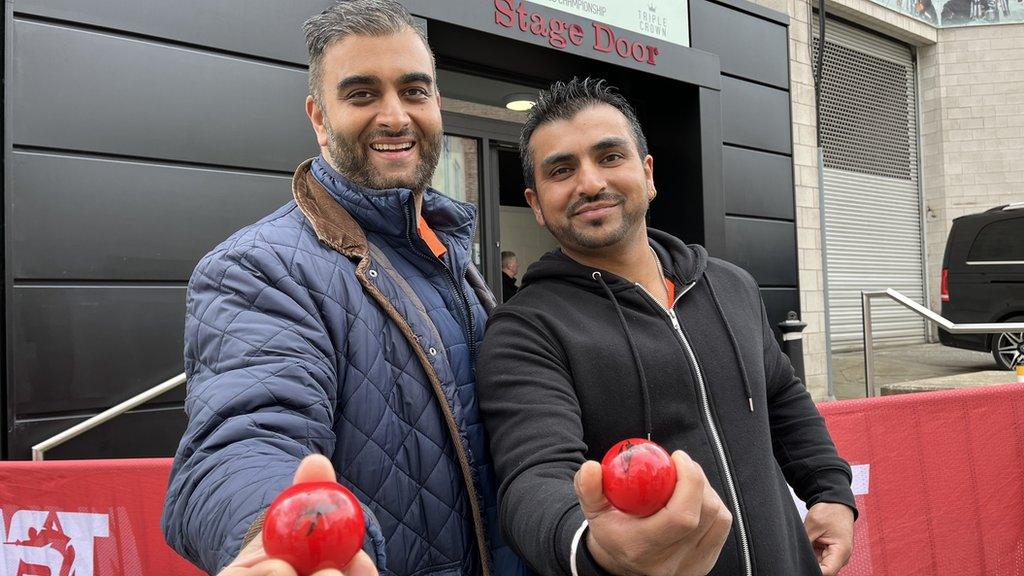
(329, 327)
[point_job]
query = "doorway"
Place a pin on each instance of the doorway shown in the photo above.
(480, 164)
(519, 231)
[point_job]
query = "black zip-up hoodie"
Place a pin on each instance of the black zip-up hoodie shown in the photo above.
(581, 358)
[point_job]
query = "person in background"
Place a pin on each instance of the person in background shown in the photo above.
(509, 270)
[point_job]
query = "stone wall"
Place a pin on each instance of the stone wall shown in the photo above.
(805, 159)
(972, 128)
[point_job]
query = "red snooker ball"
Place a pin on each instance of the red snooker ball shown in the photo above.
(638, 476)
(313, 526)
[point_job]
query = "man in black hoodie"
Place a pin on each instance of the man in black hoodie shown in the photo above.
(627, 332)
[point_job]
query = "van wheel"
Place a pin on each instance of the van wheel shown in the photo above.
(1006, 346)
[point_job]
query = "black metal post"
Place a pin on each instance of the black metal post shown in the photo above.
(793, 342)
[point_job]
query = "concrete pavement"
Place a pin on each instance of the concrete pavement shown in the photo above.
(916, 368)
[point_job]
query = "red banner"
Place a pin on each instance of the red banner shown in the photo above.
(939, 479)
(85, 518)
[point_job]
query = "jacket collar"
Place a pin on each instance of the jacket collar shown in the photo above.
(390, 212)
(337, 228)
(333, 225)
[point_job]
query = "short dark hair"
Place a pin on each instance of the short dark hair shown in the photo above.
(353, 18)
(562, 101)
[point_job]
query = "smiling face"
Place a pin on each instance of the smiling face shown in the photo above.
(592, 187)
(380, 119)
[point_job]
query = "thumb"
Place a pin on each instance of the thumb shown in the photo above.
(830, 562)
(315, 468)
(361, 565)
(265, 568)
(589, 490)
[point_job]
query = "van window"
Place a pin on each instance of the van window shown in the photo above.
(1001, 241)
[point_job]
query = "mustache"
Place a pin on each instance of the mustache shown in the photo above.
(603, 196)
(403, 133)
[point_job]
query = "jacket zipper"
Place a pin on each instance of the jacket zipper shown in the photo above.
(715, 436)
(465, 313)
(446, 411)
(466, 316)
(417, 348)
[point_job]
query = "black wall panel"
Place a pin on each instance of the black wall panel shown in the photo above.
(155, 101)
(747, 46)
(141, 134)
(755, 116)
(765, 248)
(262, 28)
(777, 303)
(757, 166)
(85, 348)
(87, 218)
(676, 146)
(758, 183)
(142, 433)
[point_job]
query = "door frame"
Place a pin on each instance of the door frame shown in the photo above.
(489, 133)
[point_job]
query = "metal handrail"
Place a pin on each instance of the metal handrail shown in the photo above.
(39, 449)
(928, 315)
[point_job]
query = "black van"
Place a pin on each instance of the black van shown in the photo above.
(983, 279)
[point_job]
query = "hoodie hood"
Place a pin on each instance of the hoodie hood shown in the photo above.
(682, 263)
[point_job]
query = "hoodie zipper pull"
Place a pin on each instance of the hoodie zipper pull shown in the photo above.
(675, 320)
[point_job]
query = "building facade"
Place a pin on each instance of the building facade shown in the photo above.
(966, 104)
(135, 139)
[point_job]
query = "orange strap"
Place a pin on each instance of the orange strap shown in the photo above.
(428, 235)
(670, 289)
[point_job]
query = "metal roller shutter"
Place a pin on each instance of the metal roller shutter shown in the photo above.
(872, 198)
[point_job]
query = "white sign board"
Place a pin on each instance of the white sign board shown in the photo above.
(666, 20)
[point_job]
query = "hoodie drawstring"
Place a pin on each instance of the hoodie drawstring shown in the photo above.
(636, 353)
(735, 344)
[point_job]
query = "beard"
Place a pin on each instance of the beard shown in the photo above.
(589, 235)
(351, 159)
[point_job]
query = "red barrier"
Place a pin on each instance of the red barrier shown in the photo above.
(85, 518)
(939, 479)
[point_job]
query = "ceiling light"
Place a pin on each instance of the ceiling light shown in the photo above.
(520, 101)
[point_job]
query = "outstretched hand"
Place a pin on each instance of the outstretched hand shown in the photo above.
(253, 561)
(682, 539)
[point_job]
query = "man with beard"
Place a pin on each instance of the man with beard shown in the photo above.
(340, 332)
(626, 332)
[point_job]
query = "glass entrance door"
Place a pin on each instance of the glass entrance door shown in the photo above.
(458, 177)
(468, 171)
